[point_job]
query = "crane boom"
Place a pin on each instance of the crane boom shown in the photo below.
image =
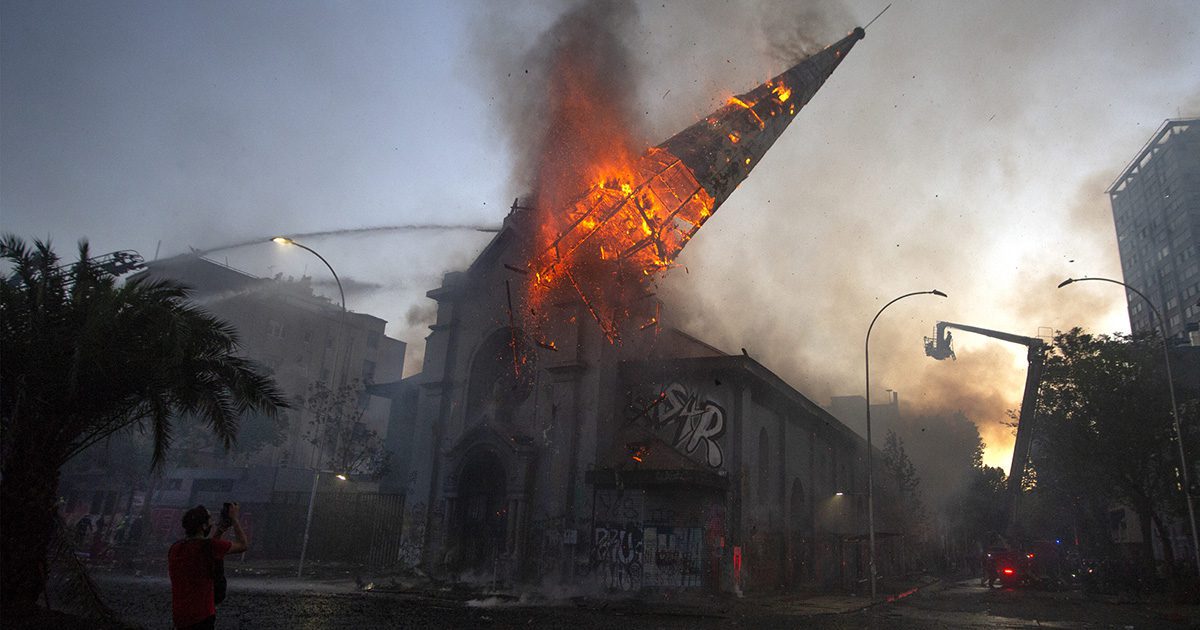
(939, 347)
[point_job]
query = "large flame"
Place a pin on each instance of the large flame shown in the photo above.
(631, 223)
(636, 213)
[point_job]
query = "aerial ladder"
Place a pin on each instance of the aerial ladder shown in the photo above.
(114, 264)
(940, 347)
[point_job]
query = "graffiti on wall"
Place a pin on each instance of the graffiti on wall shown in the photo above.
(615, 559)
(692, 424)
(672, 557)
(554, 539)
(617, 556)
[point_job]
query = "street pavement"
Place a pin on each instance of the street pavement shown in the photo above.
(276, 603)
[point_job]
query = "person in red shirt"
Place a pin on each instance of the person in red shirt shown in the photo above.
(190, 565)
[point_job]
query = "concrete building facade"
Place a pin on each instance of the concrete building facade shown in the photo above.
(1156, 210)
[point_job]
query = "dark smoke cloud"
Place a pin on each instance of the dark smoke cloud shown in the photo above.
(421, 314)
(539, 89)
(795, 30)
(979, 112)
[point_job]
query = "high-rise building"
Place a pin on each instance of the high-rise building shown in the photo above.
(1156, 208)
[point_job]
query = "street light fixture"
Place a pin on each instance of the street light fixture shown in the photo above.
(870, 468)
(1162, 330)
(312, 500)
(283, 240)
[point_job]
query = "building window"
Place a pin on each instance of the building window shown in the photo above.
(373, 339)
(275, 329)
(307, 336)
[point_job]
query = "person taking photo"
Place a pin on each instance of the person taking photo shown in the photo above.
(195, 566)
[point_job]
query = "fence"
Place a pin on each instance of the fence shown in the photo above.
(358, 528)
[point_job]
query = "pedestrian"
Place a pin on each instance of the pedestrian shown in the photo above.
(191, 563)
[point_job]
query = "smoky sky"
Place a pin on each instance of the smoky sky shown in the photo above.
(953, 149)
(962, 146)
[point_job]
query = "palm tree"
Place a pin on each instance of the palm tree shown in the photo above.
(86, 356)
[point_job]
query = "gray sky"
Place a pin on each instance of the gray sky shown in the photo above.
(962, 145)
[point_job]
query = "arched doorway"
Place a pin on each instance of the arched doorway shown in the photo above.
(482, 511)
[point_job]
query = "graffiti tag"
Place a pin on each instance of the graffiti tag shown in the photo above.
(696, 423)
(617, 556)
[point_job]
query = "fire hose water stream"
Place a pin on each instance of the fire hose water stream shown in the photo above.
(411, 227)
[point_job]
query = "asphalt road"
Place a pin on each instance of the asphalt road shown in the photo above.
(968, 605)
(276, 604)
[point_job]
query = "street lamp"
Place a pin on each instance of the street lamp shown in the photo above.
(870, 468)
(342, 333)
(312, 500)
(1162, 329)
(283, 240)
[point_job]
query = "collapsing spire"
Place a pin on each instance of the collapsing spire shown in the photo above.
(629, 226)
(722, 149)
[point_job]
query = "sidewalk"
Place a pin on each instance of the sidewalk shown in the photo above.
(805, 604)
(681, 603)
(678, 603)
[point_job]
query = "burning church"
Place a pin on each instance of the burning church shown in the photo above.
(561, 431)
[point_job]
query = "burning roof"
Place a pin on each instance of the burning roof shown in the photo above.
(640, 212)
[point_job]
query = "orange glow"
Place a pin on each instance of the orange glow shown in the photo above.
(630, 225)
(608, 216)
(739, 102)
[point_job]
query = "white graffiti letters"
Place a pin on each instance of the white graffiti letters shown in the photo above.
(617, 554)
(696, 423)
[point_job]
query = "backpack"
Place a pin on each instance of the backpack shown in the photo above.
(220, 584)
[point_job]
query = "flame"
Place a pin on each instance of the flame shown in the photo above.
(618, 233)
(782, 92)
(740, 103)
(610, 216)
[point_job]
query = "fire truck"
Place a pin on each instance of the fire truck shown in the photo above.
(1016, 564)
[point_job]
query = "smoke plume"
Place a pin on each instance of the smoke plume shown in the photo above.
(812, 245)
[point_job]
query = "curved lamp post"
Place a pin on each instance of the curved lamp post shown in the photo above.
(283, 240)
(870, 468)
(1162, 329)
